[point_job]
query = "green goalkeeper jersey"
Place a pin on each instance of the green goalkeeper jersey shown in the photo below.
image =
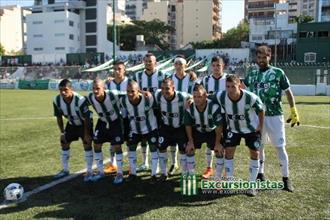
(268, 85)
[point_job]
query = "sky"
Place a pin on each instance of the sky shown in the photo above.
(232, 11)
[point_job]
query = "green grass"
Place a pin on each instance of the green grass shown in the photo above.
(29, 154)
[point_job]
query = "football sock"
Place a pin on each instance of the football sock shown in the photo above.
(209, 157)
(163, 162)
(229, 166)
(154, 162)
(262, 158)
(112, 155)
(284, 161)
(119, 160)
(174, 154)
(65, 155)
(191, 164)
(253, 170)
(183, 164)
(219, 167)
(99, 161)
(89, 161)
(132, 161)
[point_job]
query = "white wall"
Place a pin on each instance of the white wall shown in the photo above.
(234, 53)
(46, 34)
(49, 58)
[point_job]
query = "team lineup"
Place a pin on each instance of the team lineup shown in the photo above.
(178, 112)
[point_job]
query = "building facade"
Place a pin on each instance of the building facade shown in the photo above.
(13, 29)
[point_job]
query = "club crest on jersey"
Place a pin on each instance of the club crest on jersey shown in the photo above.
(272, 77)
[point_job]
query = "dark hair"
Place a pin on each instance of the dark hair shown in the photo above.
(218, 58)
(264, 49)
(168, 80)
(149, 55)
(119, 62)
(233, 78)
(198, 87)
(65, 83)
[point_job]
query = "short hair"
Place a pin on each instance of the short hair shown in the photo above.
(233, 78)
(149, 55)
(65, 83)
(132, 82)
(119, 62)
(264, 49)
(98, 80)
(217, 58)
(168, 80)
(199, 87)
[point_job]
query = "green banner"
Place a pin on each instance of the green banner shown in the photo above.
(33, 84)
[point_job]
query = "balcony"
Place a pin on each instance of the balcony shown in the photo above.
(260, 5)
(325, 3)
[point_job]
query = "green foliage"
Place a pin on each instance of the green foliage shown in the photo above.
(231, 39)
(29, 155)
(303, 19)
(2, 50)
(155, 33)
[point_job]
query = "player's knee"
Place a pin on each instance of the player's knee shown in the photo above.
(97, 148)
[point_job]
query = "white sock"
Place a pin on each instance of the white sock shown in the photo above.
(89, 161)
(65, 156)
(209, 157)
(183, 164)
(99, 161)
(163, 162)
(253, 169)
(112, 159)
(144, 155)
(262, 158)
(284, 161)
(132, 161)
(191, 164)
(229, 166)
(119, 161)
(219, 167)
(174, 155)
(154, 162)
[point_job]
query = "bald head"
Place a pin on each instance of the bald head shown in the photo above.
(98, 88)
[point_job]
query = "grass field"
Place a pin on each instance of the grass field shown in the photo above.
(29, 154)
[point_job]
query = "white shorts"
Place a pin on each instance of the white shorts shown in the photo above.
(274, 130)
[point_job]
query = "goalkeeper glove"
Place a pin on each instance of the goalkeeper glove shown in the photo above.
(294, 117)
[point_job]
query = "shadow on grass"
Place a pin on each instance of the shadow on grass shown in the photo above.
(103, 200)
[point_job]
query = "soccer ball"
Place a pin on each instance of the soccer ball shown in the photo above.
(13, 191)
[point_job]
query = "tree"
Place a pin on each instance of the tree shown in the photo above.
(155, 32)
(303, 19)
(2, 50)
(231, 39)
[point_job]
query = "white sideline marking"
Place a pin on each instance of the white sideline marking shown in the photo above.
(6, 204)
(310, 126)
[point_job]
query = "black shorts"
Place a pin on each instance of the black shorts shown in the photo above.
(252, 140)
(74, 132)
(126, 128)
(113, 134)
(169, 136)
(151, 137)
(200, 138)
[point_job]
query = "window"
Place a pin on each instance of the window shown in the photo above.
(59, 34)
(91, 50)
(91, 14)
(37, 22)
(71, 37)
(37, 35)
(59, 48)
(309, 57)
(91, 40)
(302, 34)
(90, 27)
(90, 3)
(71, 23)
(38, 49)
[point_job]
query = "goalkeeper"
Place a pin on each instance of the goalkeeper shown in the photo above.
(268, 82)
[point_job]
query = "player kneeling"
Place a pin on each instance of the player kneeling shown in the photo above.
(245, 117)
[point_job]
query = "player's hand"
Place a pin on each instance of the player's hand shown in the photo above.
(62, 138)
(218, 149)
(190, 148)
(188, 103)
(294, 117)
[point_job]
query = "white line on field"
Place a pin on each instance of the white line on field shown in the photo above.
(6, 204)
(311, 126)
